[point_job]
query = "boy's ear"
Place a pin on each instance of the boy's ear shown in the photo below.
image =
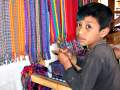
(104, 32)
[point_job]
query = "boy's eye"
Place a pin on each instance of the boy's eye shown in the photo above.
(79, 25)
(88, 26)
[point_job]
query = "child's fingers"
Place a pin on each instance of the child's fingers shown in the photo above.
(63, 50)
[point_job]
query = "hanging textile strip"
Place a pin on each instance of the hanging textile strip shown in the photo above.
(45, 29)
(41, 52)
(33, 31)
(29, 31)
(55, 17)
(52, 37)
(3, 28)
(57, 5)
(70, 18)
(12, 30)
(21, 28)
(63, 30)
(37, 7)
(52, 32)
(6, 30)
(2, 31)
(52, 29)
(26, 27)
(15, 20)
(47, 33)
(54, 20)
(74, 15)
(1, 34)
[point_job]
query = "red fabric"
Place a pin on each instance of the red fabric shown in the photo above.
(71, 8)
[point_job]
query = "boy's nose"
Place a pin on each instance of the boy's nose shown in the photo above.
(80, 32)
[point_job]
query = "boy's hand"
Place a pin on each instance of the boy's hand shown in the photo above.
(64, 58)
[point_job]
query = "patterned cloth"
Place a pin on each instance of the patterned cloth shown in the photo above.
(21, 28)
(33, 32)
(54, 19)
(29, 27)
(38, 35)
(71, 7)
(45, 29)
(26, 26)
(12, 30)
(5, 41)
(1, 34)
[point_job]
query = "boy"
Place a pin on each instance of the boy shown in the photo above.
(100, 70)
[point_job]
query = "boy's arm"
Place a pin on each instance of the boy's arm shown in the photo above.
(86, 78)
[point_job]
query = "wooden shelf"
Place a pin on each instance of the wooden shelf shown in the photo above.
(45, 81)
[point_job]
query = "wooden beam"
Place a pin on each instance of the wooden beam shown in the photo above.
(45, 81)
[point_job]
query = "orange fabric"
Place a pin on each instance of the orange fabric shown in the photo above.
(51, 33)
(21, 27)
(12, 29)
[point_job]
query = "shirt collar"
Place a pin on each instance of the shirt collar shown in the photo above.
(101, 42)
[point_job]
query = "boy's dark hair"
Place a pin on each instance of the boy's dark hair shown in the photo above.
(102, 13)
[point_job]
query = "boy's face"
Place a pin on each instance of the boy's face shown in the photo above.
(88, 31)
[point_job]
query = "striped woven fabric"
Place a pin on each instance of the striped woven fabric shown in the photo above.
(33, 31)
(26, 26)
(54, 23)
(37, 8)
(29, 30)
(12, 29)
(15, 26)
(7, 33)
(45, 29)
(5, 41)
(1, 34)
(71, 7)
(21, 28)
(30, 26)
(62, 21)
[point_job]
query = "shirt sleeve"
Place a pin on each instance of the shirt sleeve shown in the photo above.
(86, 78)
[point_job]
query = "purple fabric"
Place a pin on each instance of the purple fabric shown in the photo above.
(45, 29)
(33, 32)
(26, 27)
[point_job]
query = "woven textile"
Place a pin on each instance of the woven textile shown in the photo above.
(38, 35)
(71, 7)
(45, 29)
(1, 34)
(21, 28)
(30, 26)
(33, 32)
(62, 24)
(26, 26)
(5, 42)
(54, 19)
(12, 29)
